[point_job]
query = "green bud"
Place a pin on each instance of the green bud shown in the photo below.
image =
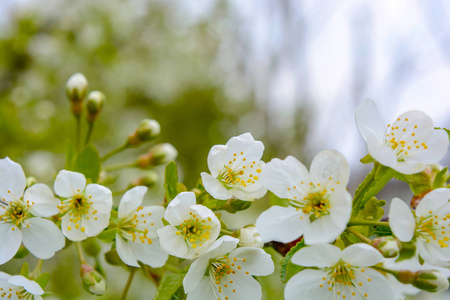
(147, 130)
(94, 104)
(76, 89)
(387, 245)
(149, 180)
(93, 282)
(159, 154)
(431, 281)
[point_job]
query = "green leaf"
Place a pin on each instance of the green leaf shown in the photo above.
(25, 269)
(88, 162)
(235, 205)
(275, 200)
(288, 269)
(43, 279)
(407, 251)
(367, 159)
(440, 179)
(171, 181)
(169, 286)
(448, 131)
(382, 231)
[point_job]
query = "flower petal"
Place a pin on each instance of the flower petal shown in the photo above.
(279, 175)
(305, 284)
(437, 147)
(178, 209)
(94, 224)
(214, 187)
(68, 183)
(323, 230)
(384, 154)
(204, 290)
(42, 237)
(69, 229)
(401, 220)
(368, 120)
(254, 192)
(408, 167)
(171, 242)
(195, 274)
(124, 251)
(322, 255)
(221, 246)
(361, 255)
(216, 159)
(150, 218)
(101, 198)
(41, 200)
(244, 286)
(253, 150)
(330, 164)
(374, 285)
(253, 260)
(433, 201)
(149, 254)
(31, 286)
(281, 224)
(131, 200)
(10, 241)
(12, 179)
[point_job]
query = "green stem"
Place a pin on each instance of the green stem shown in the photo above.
(114, 152)
(120, 166)
(78, 133)
(359, 235)
(80, 253)
(37, 270)
(89, 133)
(368, 223)
(172, 268)
(395, 273)
(127, 286)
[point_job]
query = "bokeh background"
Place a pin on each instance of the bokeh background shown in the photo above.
(290, 72)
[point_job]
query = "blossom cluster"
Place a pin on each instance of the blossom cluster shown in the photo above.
(339, 243)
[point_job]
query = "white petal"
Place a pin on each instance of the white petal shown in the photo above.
(252, 149)
(4, 276)
(153, 219)
(195, 274)
(384, 154)
(178, 209)
(204, 290)
(205, 213)
(322, 255)
(437, 148)
(434, 201)
(131, 200)
(10, 241)
(377, 288)
(245, 285)
(95, 224)
(222, 246)
(41, 200)
(257, 261)
(68, 183)
(29, 285)
(361, 255)
(42, 238)
(100, 196)
(124, 251)
(323, 230)
(214, 187)
(149, 254)
(281, 224)
(171, 242)
(305, 285)
(70, 231)
(330, 164)
(216, 159)
(431, 254)
(12, 180)
(409, 167)
(279, 175)
(401, 220)
(245, 194)
(368, 120)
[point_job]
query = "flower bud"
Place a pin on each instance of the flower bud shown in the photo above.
(158, 155)
(149, 180)
(147, 130)
(430, 281)
(94, 104)
(249, 237)
(387, 245)
(76, 89)
(93, 282)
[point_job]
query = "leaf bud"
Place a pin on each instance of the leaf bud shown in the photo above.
(249, 237)
(147, 130)
(94, 104)
(93, 282)
(387, 245)
(159, 154)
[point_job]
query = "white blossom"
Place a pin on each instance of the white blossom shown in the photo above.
(18, 287)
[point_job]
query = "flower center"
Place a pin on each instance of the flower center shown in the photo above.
(195, 231)
(76, 206)
(16, 212)
(239, 172)
(132, 229)
(316, 204)
(341, 274)
(434, 228)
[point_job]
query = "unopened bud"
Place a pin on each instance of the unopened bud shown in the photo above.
(158, 155)
(149, 180)
(93, 282)
(94, 104)
(147, 130)
(76, 89)
(431, 281)
(249, 237)
(387, 245)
